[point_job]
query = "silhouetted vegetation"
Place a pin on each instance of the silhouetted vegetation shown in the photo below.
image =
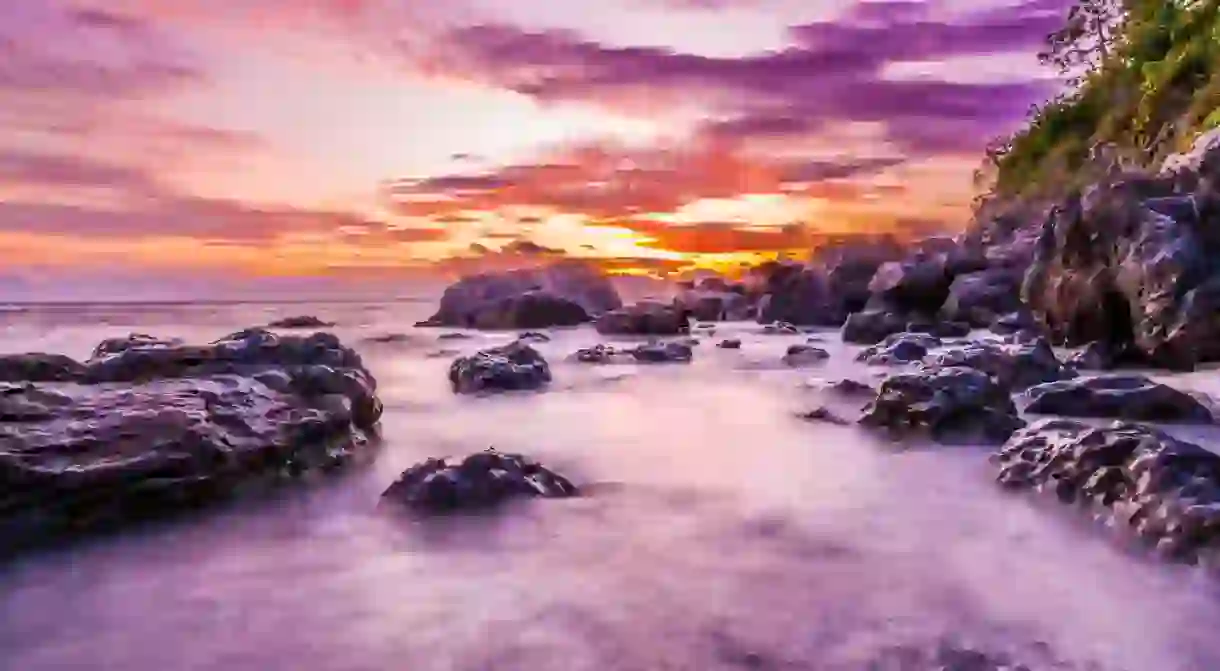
(1143, 79)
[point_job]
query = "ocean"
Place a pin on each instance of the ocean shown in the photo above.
(720, 531)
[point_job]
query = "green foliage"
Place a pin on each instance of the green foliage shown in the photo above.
(1149, 83)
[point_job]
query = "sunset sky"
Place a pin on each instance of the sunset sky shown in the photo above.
(380, 138)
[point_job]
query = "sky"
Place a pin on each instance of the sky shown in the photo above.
(383, 139)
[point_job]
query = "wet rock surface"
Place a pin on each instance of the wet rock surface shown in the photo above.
(644, 318)
(899, 348)
(656, 352)
(1016, 364)
(729, 343)
(949, 405)
(875, 325)
(804, 355)
(150, 426)
(1131, 397)
(477, 482)
(561, 294)
(512, 367)
(1167, 490)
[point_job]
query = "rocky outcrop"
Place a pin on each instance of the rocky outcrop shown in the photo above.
(804, 355)
(513, 367)
(478, 482)
(949, 405)
(1131, 397)
(644, 318)
(713, 299)
(1167, 490)
(915, 285)
(151, 426)
(900, 348)
(39, 367)
(875, 325)
(561, 294)
(979, 298)
(300, 322)
(1132, 261)
(1017, 364)
(795, 293)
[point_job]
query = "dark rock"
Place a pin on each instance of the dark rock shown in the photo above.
(1015, 365)
(872, 326)
(914, 285)
(729, 343)
(822, 414)
(1014, 322)
(644, 318)
(39, 367)
(132, 341)
(939, 328)
(454, 336)
(533, 336)
(199, 422)
(714, 299)
(1105, 356)
(389, 339)
(849, 387)
(977, 298)
(654, 352)
(561, 294)
(1122, 264)
(949, 405)
(1166, 489)
(781, 328)
(480, 481)
(849, 265)
(1131, 397)
(513, 367)
(299, 322)
(900, 348)
(794, 293)
(804, 355)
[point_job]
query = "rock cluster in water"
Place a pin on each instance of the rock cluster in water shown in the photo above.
(653, 352)
(955, 404)
(147, 424)
(479, 481)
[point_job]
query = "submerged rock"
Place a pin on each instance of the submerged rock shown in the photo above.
(823, 414)
(729, 343)
(513, 367)
(1166, 489)
(899, 348)
(1131, 397)
(804, 355)
(300, 322)
(948, 404)
(657, 352)
(149, 427)
(781, 328)
(479, 481)
(1017, 365)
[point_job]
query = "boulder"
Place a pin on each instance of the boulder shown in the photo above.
(729, 343)
(1131, 397)
(478, 482)
(804, 355)
(919, 285)
(644, 318)
(1167, 490)
(1131, 261)
(1017, 365)
(513, 367)
(796, 294)
(39, 367)
(130, 341)
(300, 322)
(949, 405)
(655, 352)
(1100, 355)
(978, 298)
(849, 265)
(1014, 322)
(781, 328)
(899, 348)
(875, 325)
(560, 294)
(144, 429)
(714, 299)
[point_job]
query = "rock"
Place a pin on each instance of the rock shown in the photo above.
(561, 294)
(145, 429)
(822, 414)
(915, 285)
(1131, 261)
(781, 328)
(939, 328)
(1100, 355)
(653, 352)
(1015, 365)
(669, 352)
(1167, 490)
(872, 326)
(453, 336)
(794, 293)
(39, 367)
(389, 339)
(804, 355)
(714, 299)
(132, 341)
(644, 318)
(1014, 322)
(949, 405)
(729, 343)
(849, 265)
(533, 336)
(478, 482)
(300, 322)
(899, 348)
(977, 298)
(1131, 397)
(849, 387)
(513, 367)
